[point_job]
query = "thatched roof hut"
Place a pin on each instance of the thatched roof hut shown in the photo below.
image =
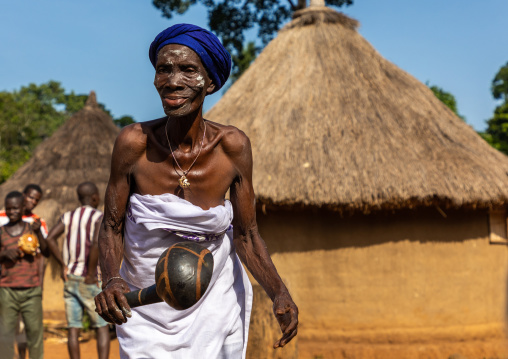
(334, 124)
(80, 150)
(413, 270)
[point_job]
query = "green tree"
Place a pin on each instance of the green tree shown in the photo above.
(500, 84)
(447, 98)
(30, 115)
(243, 60)
(230, 20)
(497, 129)
(27, 117)
(123, 121)
(497, 126)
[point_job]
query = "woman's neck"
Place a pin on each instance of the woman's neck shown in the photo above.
(185, 132)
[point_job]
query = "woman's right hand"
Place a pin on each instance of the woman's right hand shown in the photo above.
(111, 303)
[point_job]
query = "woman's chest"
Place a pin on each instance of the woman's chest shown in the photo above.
(203, 182)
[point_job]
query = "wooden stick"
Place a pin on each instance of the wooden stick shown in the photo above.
(143, 297)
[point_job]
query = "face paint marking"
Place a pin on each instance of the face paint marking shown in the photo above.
(178, 53)
(180, 79)
(201, 81)
(164, 58)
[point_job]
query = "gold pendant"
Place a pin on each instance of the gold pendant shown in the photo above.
(184, 182)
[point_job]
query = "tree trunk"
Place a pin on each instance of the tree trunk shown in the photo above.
(302, 4)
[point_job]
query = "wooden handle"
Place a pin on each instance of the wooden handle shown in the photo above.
(142, 297)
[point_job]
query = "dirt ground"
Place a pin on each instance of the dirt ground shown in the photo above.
(55, 341)
(55, 348)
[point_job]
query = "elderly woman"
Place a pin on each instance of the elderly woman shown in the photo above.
(169, 178)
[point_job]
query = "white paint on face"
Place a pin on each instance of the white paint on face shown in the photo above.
(178, 53)
(180, 73)
(201, 81)
(164, 58)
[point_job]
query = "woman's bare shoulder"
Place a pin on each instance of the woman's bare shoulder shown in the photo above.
(132, 140)
(135, 135)
(232, 139)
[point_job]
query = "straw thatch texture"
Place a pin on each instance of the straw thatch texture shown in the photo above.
(80, 150)
(333, 124)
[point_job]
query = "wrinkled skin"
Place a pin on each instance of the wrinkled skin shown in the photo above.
(142, 163)
(180, 80)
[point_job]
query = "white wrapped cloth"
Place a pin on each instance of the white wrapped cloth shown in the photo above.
(215, 327)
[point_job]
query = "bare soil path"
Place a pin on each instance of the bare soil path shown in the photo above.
(56, 348)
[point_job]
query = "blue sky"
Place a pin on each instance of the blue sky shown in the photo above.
(103, 46)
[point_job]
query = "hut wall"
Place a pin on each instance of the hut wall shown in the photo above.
(394, 285)
(52, 299)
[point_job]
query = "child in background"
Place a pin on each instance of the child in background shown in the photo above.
(20, 278)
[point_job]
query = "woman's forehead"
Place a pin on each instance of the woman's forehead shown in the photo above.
(177, 51)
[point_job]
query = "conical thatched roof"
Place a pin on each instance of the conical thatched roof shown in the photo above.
(333, 124)
(80, 150)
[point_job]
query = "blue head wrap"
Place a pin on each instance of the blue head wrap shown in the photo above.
(212, 53)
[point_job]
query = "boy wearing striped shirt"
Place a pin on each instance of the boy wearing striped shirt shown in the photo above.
(78, 261)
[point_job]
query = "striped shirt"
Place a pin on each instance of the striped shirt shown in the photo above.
(25, 272)
(79, 230)
(28, 219)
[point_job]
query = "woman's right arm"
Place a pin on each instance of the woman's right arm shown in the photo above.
(111, 303)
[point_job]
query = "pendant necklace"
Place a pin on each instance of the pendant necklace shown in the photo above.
(183, 181)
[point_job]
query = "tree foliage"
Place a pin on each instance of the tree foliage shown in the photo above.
(123, 121)
(447, 98)
(230, 20)
(497, 129)
(243, 60)
(32, 114)
(500, 84)
(497, 126)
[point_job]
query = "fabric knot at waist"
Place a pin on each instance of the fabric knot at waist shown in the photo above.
(176, 215)
(199, 237)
